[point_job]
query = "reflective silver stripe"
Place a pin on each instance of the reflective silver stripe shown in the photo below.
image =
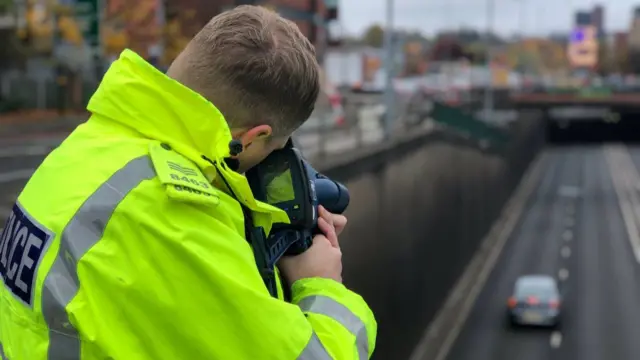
(327, 306)
(314, 350)
(84, 230)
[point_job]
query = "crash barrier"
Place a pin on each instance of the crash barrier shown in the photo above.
(420, 207)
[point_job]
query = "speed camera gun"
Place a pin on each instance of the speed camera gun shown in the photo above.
(287, 181)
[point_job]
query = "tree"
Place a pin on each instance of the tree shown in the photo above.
(447, 49)
(606, 58)
(175, 35)
(67, 25)
(620, 62)
(477, 52)
(12, 52)
(374, 36)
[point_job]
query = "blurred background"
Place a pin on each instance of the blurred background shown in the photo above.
(55, 51)
(481, 140)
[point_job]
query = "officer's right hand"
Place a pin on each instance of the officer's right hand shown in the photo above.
(322, 259)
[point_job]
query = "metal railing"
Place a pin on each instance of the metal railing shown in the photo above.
(20, 91)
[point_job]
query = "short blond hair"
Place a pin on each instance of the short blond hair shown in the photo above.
(255, 66)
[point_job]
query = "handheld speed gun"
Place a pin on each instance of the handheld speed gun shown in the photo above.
(287, 181)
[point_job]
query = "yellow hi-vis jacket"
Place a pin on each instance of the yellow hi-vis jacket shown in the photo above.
(124, 245)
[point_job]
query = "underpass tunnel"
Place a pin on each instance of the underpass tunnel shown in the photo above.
(597, 127)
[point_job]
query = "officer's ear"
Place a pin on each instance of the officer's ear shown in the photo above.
(256, 133)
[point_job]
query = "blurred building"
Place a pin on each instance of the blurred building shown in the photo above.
(597, 20)
(634, 31)
(621, 51)
(633, 42)
(583, 48)
(594, 17)
(620, 41)
(582, 18)
(586, 39)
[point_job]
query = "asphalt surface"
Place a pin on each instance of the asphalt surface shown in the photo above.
(573, 228)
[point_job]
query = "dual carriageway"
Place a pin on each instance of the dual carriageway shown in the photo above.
(579, 221)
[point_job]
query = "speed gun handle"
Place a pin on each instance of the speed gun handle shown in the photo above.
(303, 244)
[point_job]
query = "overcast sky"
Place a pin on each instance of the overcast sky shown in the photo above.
(534, 17)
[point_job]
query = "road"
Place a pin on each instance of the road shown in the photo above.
(573, 228)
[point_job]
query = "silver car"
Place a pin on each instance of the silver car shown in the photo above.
(535, 301)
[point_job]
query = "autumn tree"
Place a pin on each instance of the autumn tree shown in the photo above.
(620, 61)
(68, 28)
(175, 35)
(447, 48)
(477, 52)
(374, 36)
(12, 51)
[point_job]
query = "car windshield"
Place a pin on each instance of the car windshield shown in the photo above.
(538, 288)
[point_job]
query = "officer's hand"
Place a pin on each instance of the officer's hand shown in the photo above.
(322, 259)
(337, 221)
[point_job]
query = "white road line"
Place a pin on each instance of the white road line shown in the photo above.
(567, 235)
(563, 274)
(569, 191)
(496, 240)
(556, 339)
(626, 199)
(565, 252)
(10, 176)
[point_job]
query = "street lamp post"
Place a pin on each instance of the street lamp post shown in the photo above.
(488, 92)
(389, 93)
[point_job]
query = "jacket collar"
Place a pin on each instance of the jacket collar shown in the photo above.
(137, 96)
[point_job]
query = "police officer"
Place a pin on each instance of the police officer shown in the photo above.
(129, 240)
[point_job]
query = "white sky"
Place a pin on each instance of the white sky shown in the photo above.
(510, 16)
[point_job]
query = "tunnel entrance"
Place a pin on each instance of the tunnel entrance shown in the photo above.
(624, 127)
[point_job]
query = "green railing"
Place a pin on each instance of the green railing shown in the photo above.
(469, 125)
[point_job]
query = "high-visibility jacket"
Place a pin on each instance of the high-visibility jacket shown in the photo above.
(126, 245)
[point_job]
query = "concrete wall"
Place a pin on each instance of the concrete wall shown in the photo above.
(419, 210)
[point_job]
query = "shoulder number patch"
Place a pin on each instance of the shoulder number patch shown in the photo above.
(22, 244)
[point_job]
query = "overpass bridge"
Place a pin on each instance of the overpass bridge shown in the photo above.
(448, 210)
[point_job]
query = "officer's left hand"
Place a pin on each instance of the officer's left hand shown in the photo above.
(337, 221)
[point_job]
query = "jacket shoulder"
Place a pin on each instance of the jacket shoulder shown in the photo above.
(180, 178)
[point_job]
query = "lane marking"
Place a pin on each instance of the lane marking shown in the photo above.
(10, 176)
(569, 191)
(627, 200)
(563, 274)
(567, 235)
(565, 252)
(472, 281)
(556, 339)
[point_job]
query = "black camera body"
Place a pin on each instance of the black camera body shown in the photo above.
(287, 181)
